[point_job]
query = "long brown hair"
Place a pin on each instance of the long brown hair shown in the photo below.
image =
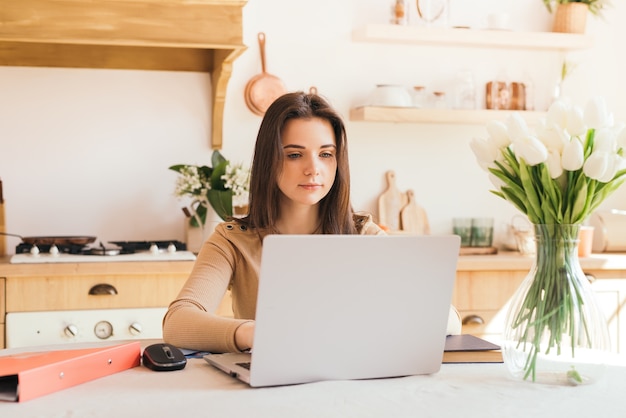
(335, 209)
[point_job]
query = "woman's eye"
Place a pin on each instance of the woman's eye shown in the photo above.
(327, 155)
(293, 155)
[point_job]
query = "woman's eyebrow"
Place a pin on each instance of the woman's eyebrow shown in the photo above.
(303, 147)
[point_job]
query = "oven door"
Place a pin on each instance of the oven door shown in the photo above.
(59, 327)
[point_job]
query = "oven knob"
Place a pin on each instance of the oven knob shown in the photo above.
(71, 330)
(103, 330)
(135, 328)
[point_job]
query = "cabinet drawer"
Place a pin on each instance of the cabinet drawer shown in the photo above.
(491, 321)
(488, 290)
(27, 294)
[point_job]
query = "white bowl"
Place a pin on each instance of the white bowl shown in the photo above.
(389, 95)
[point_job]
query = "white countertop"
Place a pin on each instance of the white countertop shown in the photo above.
(28, 258)
(458, 390)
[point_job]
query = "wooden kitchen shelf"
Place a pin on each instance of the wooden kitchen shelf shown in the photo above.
(406, 34)
(415, 115)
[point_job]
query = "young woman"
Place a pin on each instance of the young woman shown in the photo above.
(299, 184)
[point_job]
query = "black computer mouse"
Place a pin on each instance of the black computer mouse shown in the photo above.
(163, 357)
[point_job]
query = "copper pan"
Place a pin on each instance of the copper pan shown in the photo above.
(56, 240)
(264, 88)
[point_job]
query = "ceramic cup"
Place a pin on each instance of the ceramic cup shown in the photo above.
(498, 21)
(585, 240)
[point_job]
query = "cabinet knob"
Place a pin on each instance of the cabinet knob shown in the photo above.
(103, 289)
(473, 320)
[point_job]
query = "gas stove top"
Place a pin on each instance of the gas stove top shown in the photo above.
(121, 247)
(170, 250)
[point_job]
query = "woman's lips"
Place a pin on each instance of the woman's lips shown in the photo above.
(310, 186)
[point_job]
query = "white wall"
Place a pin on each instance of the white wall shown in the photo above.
(85, 152)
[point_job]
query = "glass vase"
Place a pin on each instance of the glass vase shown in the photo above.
(555, 331)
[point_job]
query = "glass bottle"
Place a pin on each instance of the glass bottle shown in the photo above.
(529, 91)
(465, 91)
(399, 15)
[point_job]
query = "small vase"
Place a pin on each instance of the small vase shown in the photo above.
(196, 235)
(555, 331)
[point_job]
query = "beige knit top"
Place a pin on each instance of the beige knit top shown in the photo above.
(230, 258)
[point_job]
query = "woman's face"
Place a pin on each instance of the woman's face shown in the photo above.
(310, 160)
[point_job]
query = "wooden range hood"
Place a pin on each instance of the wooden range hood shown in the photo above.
(171, 35)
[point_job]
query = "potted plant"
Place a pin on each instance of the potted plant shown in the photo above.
(571, 15)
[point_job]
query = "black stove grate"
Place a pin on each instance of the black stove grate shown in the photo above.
(126, 247)
(45, 248)
(136, 246)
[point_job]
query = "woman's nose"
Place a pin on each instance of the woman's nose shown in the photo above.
(311, 167)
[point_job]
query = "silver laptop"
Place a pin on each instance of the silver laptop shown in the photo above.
(341, 307)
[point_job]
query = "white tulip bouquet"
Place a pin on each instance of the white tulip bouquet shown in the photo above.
(557, 176)
(561, 173)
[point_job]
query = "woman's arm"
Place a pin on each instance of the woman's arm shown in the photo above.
(190, 321)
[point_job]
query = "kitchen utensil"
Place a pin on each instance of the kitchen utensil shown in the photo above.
(413, 217)
(431, 11)
(390, 203)
(263, 88)
(56, 240)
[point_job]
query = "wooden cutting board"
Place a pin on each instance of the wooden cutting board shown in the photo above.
(390, 202)
(413, 217)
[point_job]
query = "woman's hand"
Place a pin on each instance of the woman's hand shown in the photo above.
(244, 336)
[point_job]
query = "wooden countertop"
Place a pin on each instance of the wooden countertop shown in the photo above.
(515, 261)
(502, 261)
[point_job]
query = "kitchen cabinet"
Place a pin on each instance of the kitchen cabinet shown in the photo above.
(484, 285)
(458, 38)
(167, 35)
(101, 286)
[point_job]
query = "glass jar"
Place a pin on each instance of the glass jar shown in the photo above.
(419, 97)
(439, 100)
(465, 91)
